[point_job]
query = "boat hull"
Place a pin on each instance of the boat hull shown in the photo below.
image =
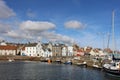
(68, 63)
(115, 72)
(98, 68)
(82, 65)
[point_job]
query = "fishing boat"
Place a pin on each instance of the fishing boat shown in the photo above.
(112, 68)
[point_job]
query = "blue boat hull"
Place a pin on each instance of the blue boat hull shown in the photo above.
(68, 63)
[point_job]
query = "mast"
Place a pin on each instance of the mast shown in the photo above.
(108, 40)
(113, 37)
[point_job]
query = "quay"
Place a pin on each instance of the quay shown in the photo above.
(19, 58)
(83, 61)
(79, 61)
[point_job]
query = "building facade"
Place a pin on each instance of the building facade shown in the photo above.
(8, 50)
(57, 50)
(70, 51)
(34, 49)
(64, 51)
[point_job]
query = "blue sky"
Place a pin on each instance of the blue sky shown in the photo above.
(84, 22)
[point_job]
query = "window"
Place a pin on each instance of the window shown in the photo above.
(37, 54)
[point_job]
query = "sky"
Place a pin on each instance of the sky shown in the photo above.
(82, 22)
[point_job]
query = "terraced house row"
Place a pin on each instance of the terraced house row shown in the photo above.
(49, 50)
(36, 49)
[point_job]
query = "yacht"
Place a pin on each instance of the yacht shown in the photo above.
(112, 68)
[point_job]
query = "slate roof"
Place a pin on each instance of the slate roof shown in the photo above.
(31, 45)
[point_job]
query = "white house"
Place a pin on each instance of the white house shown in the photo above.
(64, 51)
(93, 53)
(39, 49)
(47, 53)
(34, 49)
(70, 51)
(47, 47)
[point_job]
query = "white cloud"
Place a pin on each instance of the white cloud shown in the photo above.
(17, 35)
(4, 28)
(52, 36)
(5, 11)
(74, 24)
(36, 25)
(39, 38)
(12, 34)
(45, 35)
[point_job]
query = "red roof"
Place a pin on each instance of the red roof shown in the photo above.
(8, 47)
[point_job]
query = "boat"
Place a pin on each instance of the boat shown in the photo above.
(58, 61)
(112, 68)
(84, 64)
(96, 65)
(68, 62)
(10, 60)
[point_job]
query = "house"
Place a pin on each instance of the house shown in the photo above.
(39, 49)
(80, 52)
(93, 53)
(57, 49)
(34, 49)
(70, 51)
(8, 50)
(47, 47)
(47, 53)
(75, 49)
(30, 49)
(87, 50)
(64, 51)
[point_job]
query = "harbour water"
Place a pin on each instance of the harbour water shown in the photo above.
(45, 71)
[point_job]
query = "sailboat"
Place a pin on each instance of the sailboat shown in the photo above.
(114, 66)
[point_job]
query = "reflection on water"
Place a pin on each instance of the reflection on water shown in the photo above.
(45, 71)
(112, 77)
